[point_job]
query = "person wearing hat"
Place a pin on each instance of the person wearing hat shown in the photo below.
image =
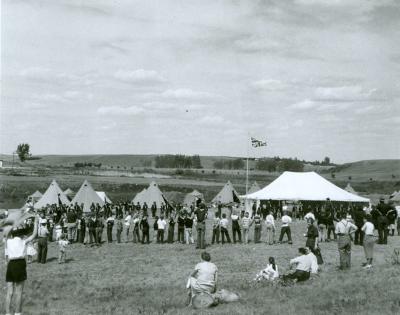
(42, 234)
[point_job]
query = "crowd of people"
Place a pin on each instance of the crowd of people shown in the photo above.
(126, 222)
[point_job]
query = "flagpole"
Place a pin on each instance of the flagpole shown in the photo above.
(247, 163)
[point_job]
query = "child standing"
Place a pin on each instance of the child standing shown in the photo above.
(144, 226)
(161, 224)
(155, 227)
(246, 223)
(30, 252)
(62, 246)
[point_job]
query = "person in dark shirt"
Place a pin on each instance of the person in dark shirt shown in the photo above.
(358, 215)
(153, 209)
(145, 228)
(171, 229)
(201, 215)
(383, 221)
(181, 226)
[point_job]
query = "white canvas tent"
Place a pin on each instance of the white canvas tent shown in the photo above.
(303, 186)
(35, 196)
(53, 195)
(190, 198)
(103, 196)
(227, 195)
(69, 192)
(86, 195)
(255, 187)
(394, 194)
(396, 197)
(350, 189)
(150, 195)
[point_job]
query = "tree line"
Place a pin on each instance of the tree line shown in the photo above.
(178, 161)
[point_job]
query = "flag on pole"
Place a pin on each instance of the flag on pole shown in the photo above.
(258, 143)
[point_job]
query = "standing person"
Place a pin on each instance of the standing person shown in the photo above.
(135, 223)
(322, 225)
(153, 209)
(71, 225)
(246, 223)
(224, 229)
(270, 223)
(127, 224)
(189, 228)
(92, 229)
(310, 214)
(99, 229)
(359, 222)
(285, 228)
(312, 240)
(145, 208)
(392, 216)
(161, 224)
(120, 227)
(110, 225)
(145, 227)
(42, 233)
(201, 215)
(181, 226)
(331, 224)
(171, 229)
(383, 222)
(236, 227)
(155, 228)
(344, 229)
(62, 247)
(216, 228)
(15, 250)
(369, 240)
(257, 227)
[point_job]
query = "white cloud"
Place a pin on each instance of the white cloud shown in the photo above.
(298, 123)
(304, 105)
(212, 120)
(269, 85)
(120, 111)
(253, 44)
(186, 94)
(343, 93)
(36, 73)
(140, 76)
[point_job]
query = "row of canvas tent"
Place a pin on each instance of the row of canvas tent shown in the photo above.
(86, 195)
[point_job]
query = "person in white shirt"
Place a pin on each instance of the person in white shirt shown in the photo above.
(369, 240)
(344, 229)
(303, 265)
(285, 228)
(270, 223)
(161, 224)
(224, 229)
(246, 223)
(270, 273)
(127, 224)
(204, 278)
(15, 251)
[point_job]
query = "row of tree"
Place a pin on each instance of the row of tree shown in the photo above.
(278, 164)
(236, 164)
(86, 164)
(178, 161)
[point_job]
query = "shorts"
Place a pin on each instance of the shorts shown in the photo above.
(16, 270)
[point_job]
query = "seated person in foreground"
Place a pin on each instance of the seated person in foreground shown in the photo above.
(303, 264)
(204, 277)
(270, 273)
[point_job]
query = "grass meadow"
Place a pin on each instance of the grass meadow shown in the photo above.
(130, 278)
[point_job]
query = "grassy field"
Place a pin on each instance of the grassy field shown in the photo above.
(132, 278)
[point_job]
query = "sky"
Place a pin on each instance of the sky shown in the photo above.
(313, 78)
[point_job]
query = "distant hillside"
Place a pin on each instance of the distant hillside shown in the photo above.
(387, 170)
(369, 169)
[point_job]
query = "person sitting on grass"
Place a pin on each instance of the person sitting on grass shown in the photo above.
(303, 265)
(204, 278)
(270, 273)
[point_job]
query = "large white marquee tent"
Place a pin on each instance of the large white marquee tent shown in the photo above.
(294, 186)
